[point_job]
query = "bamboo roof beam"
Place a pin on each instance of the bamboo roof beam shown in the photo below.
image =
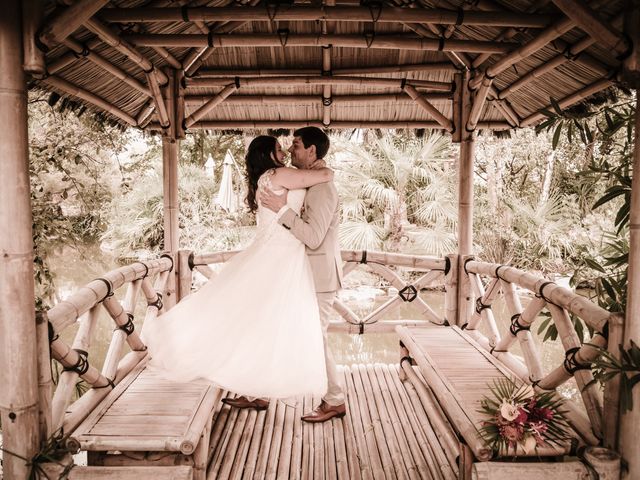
(79, 49)
(68, 21)
(145, 113)
(276, 123)
(326, 69)
(478, 104)
(128, 50)
(507, 110)
(75, 91)
(159, 104)
(570, 100)
(316, 99)
(444, 67)
(549, 34)
(210, 105)
(443, 121)
(343, 14)
(196, 59)
(319, 80)
(170, 59)
(388, 42)
(570, 53)
(584, 17)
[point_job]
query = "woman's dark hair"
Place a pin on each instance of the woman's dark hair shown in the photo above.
(258, 160)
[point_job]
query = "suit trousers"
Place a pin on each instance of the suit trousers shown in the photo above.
(335, 392)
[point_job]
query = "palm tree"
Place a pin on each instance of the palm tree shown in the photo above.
(392, 188)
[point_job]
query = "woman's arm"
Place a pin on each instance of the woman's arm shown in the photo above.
(293, 178)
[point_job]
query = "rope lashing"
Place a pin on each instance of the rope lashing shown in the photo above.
(516, 326)
(109, 287)
(464, 326)
(109, 384)
(166, 255)
(360, 328)
(82, 365)
(283, 34)
(157, 303)
(128, 327)
(408, 294)
(146, 269)
(364, 257)
(497, 272)
(480, 306)
(541, 295)
(571, 365)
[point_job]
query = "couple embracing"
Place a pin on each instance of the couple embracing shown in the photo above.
(259, 328)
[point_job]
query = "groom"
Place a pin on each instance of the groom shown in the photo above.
(317, 228)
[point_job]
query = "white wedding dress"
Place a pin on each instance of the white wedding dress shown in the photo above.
(253, 329)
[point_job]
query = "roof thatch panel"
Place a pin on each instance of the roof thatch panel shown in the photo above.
(564, 80)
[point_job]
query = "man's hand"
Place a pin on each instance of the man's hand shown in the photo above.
(318, 164)
(272, 201)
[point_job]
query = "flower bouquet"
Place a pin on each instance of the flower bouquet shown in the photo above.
(518, 417)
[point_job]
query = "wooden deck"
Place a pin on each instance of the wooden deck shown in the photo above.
(385, 434)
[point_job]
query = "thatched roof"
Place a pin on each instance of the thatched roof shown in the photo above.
(418, 45)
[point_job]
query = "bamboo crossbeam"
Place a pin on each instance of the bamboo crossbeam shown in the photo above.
(416, 262)
(144, 115)
(591, 313)
(487, 298)
(587, 20)
(503, 105)
(69, 19)
(210, 105)
(97, 59)
(386, 42)
(112, 39)
(479, 101)
(75, 91)
(242, 82)
(199, 100)
(433, 111)
(120, 317)
(327, 13)
(486, 314)
(549, 34)
(570, 53)
(265, 72)
(158, 100)
(570, 100)
(170, 59)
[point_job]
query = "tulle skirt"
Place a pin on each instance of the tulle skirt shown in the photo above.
(253, 329)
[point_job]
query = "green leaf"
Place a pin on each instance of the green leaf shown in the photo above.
(556, 106)
(594, 265)
(556, 136)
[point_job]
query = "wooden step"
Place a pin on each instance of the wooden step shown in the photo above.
(120, 473)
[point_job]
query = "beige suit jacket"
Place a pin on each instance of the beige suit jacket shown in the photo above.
(318, 230)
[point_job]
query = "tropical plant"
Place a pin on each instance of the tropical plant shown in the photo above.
(393, 190)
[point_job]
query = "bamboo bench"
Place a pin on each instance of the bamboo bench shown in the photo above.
(148, 420)
(459, 372)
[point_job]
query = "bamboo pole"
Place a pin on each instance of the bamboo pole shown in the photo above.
(19, 392)
(170, 197)
(70, 19)
(629, 421)
(115, 41)
(451, 290)
(45, 382)
(327, 13)
(179, 114)
(79, 49)
(433, 111)
(611, 400)
(486, 314)
(32, 12)
(75, 91)
(479, 101)
(265, 72)
(156, 94)
(570, 100)
(210, 105)
(199, 100)
(387, 42)
(185, 274)
(384, 82)
(583, 16)
(492, 291)
(170, 59)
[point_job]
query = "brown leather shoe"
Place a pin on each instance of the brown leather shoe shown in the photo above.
(324, 412)
(244, 402)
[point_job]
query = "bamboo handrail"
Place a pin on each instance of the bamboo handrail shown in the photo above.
(327, 13)
(200, 82)
(67, 21)
(588, 21)
(74, 90)
(316, 40)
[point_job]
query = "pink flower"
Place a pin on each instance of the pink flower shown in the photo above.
(513, 433)
(522, 417)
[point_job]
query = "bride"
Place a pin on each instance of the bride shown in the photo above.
(254, 328)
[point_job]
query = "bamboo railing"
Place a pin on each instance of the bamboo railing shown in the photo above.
(390, 266)
(561, 303)
(84, 306)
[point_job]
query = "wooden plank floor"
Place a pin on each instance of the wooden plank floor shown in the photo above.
(385, 434)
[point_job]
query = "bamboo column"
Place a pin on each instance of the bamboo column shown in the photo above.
(629, 445)
(32, 11)
(170, 147)
(465, 193)
(18, 358)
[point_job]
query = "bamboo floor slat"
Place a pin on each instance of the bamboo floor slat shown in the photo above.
(386, 434)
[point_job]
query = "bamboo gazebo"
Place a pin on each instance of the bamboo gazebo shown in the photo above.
(172, 66)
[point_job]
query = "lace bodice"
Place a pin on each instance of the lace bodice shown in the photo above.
(295, 199)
